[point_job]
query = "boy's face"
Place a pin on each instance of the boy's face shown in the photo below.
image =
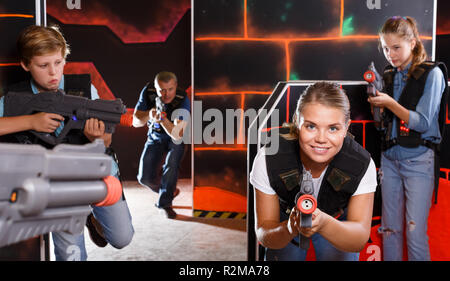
(46, 70)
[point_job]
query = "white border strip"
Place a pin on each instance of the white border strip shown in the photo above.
(37, 11)
(41, 12)
(44, 13)
(433, 41)
(192, 101)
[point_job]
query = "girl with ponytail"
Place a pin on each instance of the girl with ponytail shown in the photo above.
(410, 102)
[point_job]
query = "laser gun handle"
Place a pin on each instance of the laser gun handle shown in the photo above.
(376, 114)
(304, 241)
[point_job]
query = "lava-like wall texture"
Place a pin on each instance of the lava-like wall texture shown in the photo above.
(13, 18)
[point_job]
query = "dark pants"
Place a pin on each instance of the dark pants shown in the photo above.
(149, 168)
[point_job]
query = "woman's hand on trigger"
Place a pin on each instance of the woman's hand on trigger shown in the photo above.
(318, 219)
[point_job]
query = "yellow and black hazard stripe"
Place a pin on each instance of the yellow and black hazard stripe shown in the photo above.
(219, 215)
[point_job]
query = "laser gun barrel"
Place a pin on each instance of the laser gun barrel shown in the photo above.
(44, 190)
(306, 203)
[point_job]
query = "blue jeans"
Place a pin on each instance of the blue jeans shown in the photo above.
(117, 228)
(149, 168)
(406, 188)
(323, 249)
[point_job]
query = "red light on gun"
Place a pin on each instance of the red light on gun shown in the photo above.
(13, 197)
(369, 76)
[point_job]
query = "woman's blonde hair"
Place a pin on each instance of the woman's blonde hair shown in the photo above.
(324, 93)
(406, 28)
(38, 40)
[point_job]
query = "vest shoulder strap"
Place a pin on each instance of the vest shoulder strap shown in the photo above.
(23, 86)
(151, 93)
(179, 97)
(74, 84)
(348, 166)
(284, 168)
(78, 85)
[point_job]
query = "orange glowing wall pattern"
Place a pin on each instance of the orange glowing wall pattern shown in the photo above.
(14, 17)
(153, 21)
(243, 48)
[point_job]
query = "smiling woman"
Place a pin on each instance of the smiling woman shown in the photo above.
(343, 179)
(321, 135)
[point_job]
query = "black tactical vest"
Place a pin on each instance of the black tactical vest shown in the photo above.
(168, 108)
(341, 178)
(74, 84)
(409, 99)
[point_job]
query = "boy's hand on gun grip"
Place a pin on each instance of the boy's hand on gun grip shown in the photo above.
(46, 122)
(94, 129)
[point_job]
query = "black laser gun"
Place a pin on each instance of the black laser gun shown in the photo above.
(76, 110)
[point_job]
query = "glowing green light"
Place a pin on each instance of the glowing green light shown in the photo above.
(347, 26)
(294, 76)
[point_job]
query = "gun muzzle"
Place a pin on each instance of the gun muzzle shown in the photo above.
(126, 119)
(369, 76)
(114, 192)
(307, 204)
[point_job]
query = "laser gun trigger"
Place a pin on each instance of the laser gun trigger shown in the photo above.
(306, 203)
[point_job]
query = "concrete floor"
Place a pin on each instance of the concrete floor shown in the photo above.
(185, 238)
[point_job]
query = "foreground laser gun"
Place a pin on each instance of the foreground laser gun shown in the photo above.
(76, 110)
(44, 190)
(375, 81)
(306, 203)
